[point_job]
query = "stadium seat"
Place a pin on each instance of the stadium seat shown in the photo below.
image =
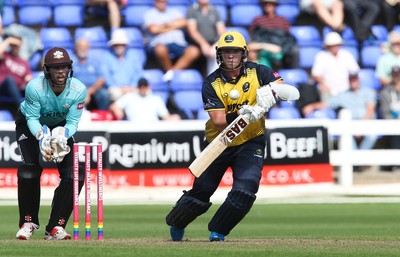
(294, 76)
(289, 11)
(241, 30)
(135, 37)
(326, 113)
(223, 12)
(69, 12)
(307, 55)
(243, 2)
(347, 35)
(159, 87)
(381, 35)
(96, 35)
(56, 37)
(139, 2)
(8, 17)
(243, 14)
(35, 60)
(306, 35)
(368, 79)
(370, 55)
(353, 50)
(202, 114)
(179, 2)
(186, 88)
(6, 115)
(280, 113)
(295, 2)
(134, 14)
(34, 12)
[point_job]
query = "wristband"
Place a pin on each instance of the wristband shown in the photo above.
(230, 117)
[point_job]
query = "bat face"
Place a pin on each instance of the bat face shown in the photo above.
(235, 130)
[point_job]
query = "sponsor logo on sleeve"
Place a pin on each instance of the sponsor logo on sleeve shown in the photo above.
(81, 105)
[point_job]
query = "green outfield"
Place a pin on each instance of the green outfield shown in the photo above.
(345, 230)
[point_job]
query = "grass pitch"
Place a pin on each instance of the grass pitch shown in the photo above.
(271, 230)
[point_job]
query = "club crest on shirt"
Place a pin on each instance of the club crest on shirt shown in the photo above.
(246, 87)
(66, 106)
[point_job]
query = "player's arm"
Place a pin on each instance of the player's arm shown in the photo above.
(75, 113)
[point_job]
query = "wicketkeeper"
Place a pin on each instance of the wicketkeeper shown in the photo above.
(45, 124)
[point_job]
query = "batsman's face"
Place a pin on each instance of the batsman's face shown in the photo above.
(232, 58)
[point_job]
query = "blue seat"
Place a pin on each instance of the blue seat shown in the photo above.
(69, 12)
(179, 2)
(35, 60)
(134, 14)
(295, 2)
(135, 37)
(242, 30)
(347, 35)
(56, 37)
(242, 2)
(280, 113)
(202, 114)
(8, 15)
(307, 56)
(353, 50)
(216, 2)
(159, 87)
(381, 34)
(6, 115)
(289, 11)
(34, 12)
(326, 113)
(96, 36)
(294, 76)
(370, 55)
(140, 2)
(186, 87)
(243, 14)
(222, 11)
(368, 79)
(306, 35)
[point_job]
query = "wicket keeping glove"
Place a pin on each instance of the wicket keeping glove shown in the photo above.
(44, 138)
(59, 143)
(252, 113)
(265, 98)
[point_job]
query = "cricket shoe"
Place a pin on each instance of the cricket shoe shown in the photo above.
(26, 231)
(57, 233)
(176, 233)
(216, 237)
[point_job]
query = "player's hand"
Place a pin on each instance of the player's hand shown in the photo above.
(44, 138)
(285, 92)
(59, 143)
(252, 113)
(265, 98)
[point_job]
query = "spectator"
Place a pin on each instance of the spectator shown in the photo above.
(121, 68)
(361, 101)
(310, 99)
(274, 30)
(390, 13)
(15, 72)
(142, 106)
(164, 28)
(390, 108)
(113, 8)
(204, 28)
(390, 59)
(332, 66)
(264, 53)
(361, 15)
(88, 70)
(330, 12)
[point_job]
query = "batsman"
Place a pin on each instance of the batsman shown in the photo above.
(45, 124)
(237, 87)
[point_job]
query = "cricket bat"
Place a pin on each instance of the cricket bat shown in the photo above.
(218, 145)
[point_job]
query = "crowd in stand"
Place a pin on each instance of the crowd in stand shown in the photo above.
(183, 36)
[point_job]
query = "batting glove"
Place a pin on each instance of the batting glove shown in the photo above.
(252, 113)
(44, 138)
(265, 98)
